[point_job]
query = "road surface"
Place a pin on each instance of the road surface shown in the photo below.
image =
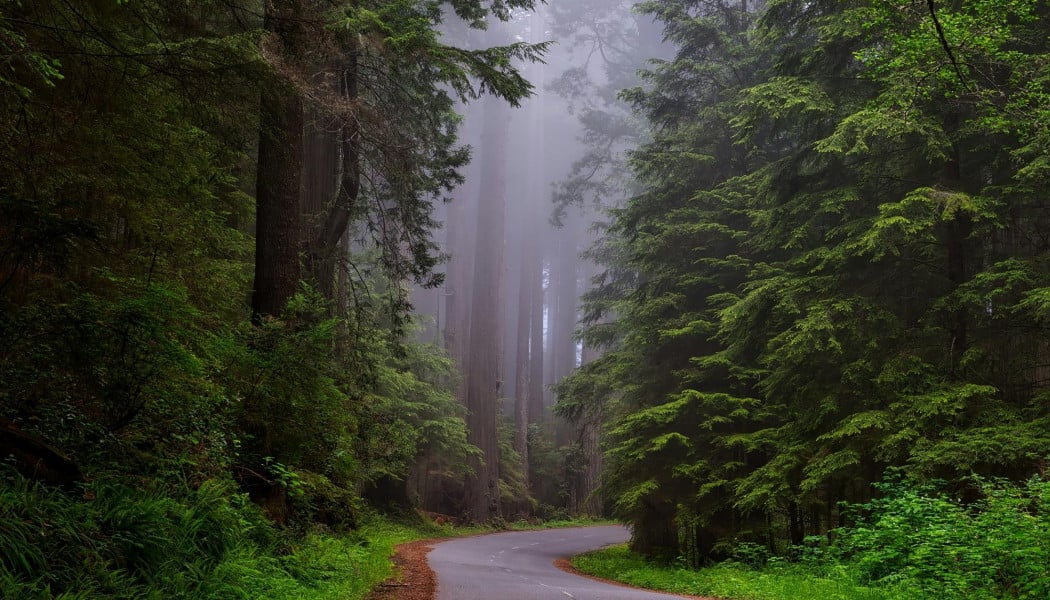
(519, 565)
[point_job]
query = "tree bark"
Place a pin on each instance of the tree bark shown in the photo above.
(484, 383)
(280, 167)
(590, 427)
(529, 278)
(536, 404)
(321, 184)
(530, 275)
(564, 322)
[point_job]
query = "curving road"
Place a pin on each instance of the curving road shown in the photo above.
(519, 565)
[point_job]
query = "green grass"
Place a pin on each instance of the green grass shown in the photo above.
(731, 581)
(347, 567)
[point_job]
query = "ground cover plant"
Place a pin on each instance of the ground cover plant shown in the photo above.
(986, 541)
(732, 580)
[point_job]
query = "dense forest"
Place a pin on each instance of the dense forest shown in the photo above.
(834, 262)
(715, 268)
(210, 215)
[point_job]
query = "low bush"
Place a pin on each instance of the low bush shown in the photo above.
(914, 541)
(995, 547)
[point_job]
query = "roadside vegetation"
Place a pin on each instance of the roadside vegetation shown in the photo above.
(913, 542)
(209, 543)
(111, 540)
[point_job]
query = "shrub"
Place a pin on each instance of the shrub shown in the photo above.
(998, 546)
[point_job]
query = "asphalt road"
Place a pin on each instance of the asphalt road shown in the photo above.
(519, 565)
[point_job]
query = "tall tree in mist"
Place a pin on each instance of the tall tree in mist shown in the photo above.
(484, 385)
(529, 352)
(381, 79)
(609, 42)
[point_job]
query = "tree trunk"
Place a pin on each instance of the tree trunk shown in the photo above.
(592, 467)
(564, 322)
(459, 244)
(484, 383)
(280, 167)
(536, 404)
(337, 219)
(322, 170)
(529, 278)
(335, 164)
(590, 439)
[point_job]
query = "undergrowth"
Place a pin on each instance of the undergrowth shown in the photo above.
(112, 541)
(728, 580)
(912, 542)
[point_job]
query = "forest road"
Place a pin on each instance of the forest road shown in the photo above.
(519, 565)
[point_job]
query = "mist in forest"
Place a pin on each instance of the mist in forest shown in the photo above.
(516, 233)
(758, 279)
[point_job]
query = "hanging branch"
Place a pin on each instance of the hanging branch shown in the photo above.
(944, 41)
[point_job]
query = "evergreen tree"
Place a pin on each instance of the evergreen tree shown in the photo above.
(825, 274)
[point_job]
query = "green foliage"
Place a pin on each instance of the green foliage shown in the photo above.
(833, 265)
(922, 538)
(406, 28)
(125, 266)
(412, 414)
(124, 269)
(209, 543)
(552, 470)
(120, 542)
(283, 367)
(911, 541)
(729, 580)
(130, 375)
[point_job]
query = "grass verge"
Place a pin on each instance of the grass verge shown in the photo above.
(326, 566)
(731, 580)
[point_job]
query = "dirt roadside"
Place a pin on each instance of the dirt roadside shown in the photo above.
(413, 578)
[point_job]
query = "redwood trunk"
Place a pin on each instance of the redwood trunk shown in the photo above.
(482, 498)
(280, 167)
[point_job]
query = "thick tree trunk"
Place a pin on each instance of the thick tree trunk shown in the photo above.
(530, 275)
(590, 439)
(529, 278)
(536, 404)
(565, 288)
(654, 532)
(460, 227)
(563, 321)
(321, 182)
(341, 208)
(280, 168)
(333, 179)
(483, 388)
